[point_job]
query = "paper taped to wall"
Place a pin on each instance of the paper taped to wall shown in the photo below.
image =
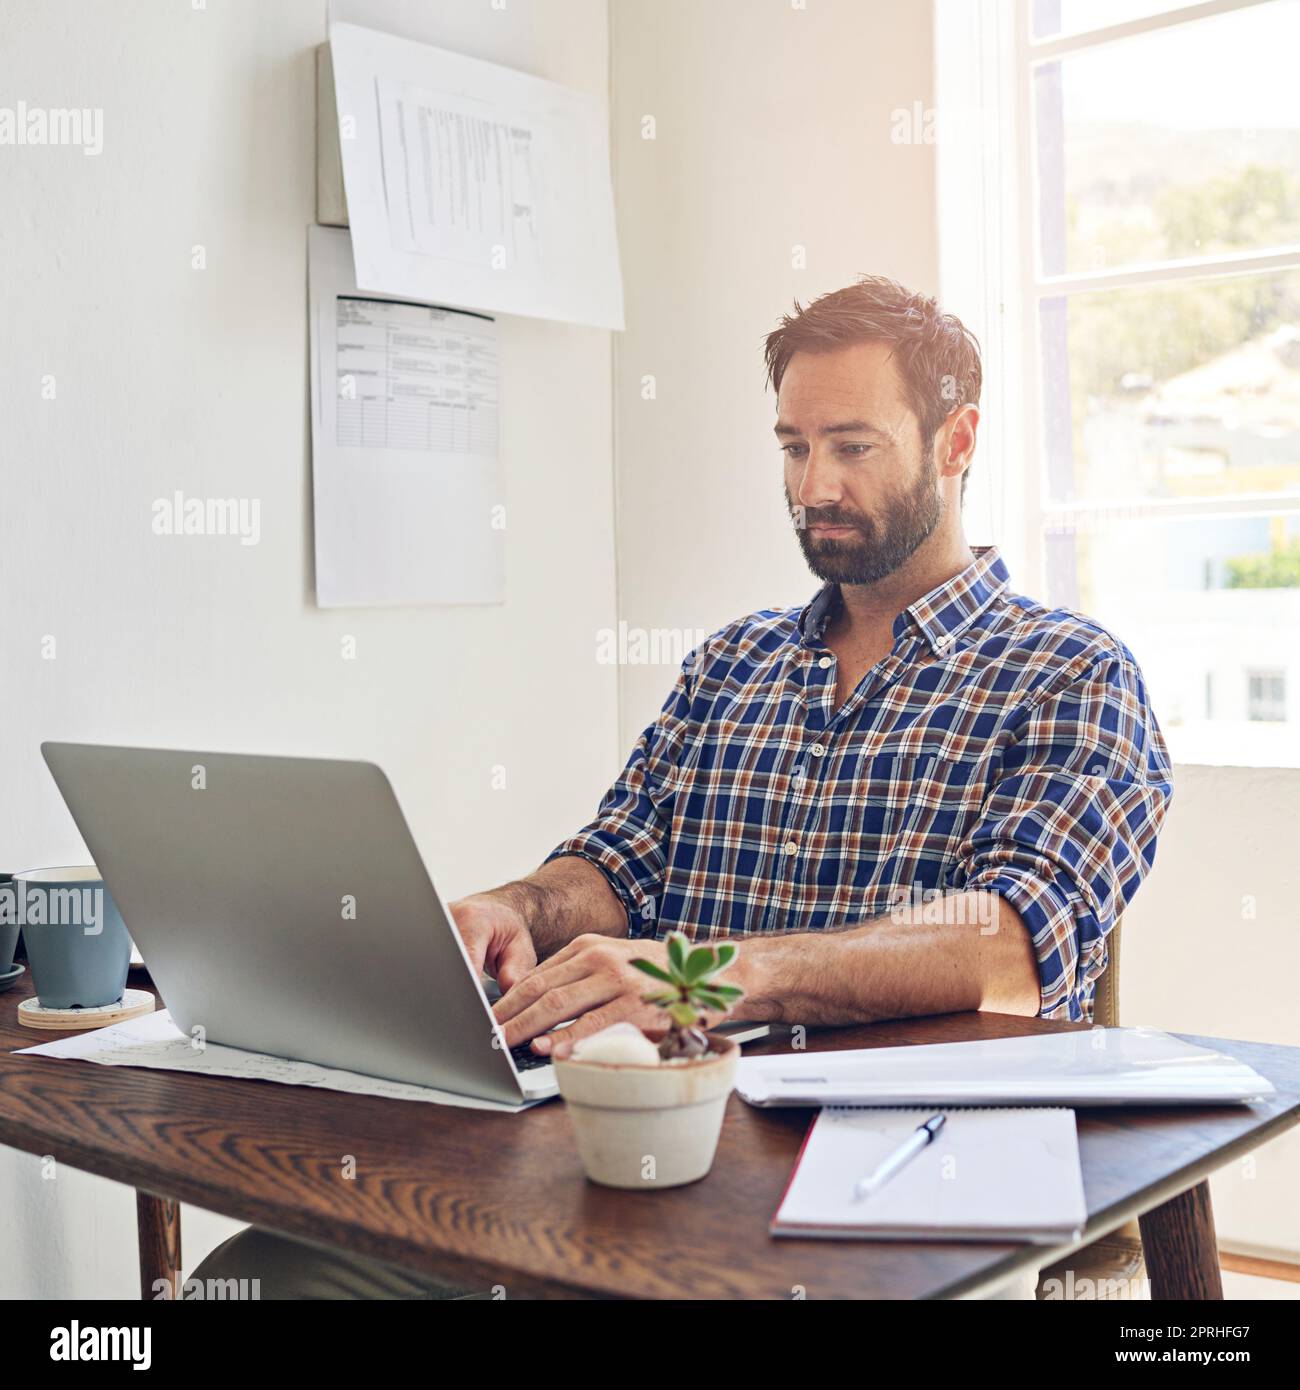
(474, 185)
(406, 476)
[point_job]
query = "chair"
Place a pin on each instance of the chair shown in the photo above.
(1109, 1262)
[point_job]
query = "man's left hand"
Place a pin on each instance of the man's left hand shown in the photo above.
(591, 981)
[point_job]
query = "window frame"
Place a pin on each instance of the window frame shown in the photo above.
(986, 65)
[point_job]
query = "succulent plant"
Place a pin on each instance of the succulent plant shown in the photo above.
(692, 990)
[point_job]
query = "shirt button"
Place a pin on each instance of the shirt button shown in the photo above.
(818, 750)
(825, 663)
(797, 774)
(791, 847)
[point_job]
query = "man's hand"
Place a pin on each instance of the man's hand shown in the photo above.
(592, 981)
(496, 937)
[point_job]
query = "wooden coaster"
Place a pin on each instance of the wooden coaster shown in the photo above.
(132, 1004)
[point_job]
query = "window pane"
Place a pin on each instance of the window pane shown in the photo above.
(1211, 610)
(1183, 142)
(1178, 391)
(1053, 17)
(1266, 696)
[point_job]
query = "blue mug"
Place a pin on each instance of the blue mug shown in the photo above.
(9, 927)
(77, 944)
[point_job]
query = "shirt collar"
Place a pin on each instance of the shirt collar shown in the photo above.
(940, 616)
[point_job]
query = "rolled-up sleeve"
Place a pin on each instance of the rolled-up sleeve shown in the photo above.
(627, 840)
(1069, 829)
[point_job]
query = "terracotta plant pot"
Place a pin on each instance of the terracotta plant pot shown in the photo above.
(640, 1126)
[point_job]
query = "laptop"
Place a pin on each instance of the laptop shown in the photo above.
(281, 905)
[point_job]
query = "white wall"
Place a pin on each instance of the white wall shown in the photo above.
(1210, 947)
(169, 378)
(772, 132)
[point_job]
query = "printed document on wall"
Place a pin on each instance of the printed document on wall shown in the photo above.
(473, 184)
(405, 471)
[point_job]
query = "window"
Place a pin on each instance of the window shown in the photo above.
(1266, 696)
(1132, 171)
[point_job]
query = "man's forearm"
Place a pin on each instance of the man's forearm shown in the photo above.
(563, 899)
(897, 966)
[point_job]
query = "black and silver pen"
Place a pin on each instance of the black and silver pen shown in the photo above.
(901, 1156)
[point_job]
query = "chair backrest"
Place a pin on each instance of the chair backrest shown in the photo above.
(1105, 1002)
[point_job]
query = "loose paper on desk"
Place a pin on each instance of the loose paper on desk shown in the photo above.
(155, 1042)
(475, 185)
(1095, 1066)
(407, 484)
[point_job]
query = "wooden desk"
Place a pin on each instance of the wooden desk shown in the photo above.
(484, 1198)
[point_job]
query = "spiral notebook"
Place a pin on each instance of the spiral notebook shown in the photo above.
(989, 1174)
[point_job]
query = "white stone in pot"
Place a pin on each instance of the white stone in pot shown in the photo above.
(621, 1044)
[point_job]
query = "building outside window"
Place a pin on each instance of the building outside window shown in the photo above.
(1266, 696)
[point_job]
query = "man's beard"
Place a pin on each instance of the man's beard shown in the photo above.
(880, 549)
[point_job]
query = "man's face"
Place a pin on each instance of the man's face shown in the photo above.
(862, 491)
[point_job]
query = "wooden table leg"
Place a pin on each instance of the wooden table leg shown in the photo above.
(159, 1222)
(1181, 1251)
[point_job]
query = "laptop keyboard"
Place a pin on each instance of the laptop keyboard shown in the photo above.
(526, 1059)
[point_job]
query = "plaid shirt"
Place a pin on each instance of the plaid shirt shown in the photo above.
(1000, 745)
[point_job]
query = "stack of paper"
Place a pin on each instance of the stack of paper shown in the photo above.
(1097, 1066)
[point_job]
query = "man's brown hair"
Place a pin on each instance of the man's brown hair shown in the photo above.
(936, 355)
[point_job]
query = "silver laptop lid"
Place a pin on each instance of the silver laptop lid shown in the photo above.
(281, 905)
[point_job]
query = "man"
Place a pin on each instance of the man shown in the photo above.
(818, 777)
(919, 794)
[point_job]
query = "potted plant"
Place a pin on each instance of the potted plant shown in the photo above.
(647, 1113)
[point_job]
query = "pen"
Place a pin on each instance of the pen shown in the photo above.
(902, 1155)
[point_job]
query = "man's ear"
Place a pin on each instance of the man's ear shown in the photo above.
(955, 445)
